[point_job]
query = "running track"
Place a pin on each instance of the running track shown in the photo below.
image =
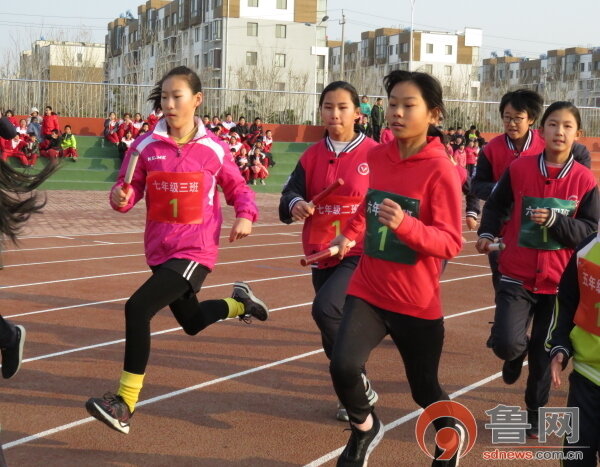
(235, 394)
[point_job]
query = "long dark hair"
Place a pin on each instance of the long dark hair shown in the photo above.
(182, 72)
(430, 88)
(15, 209)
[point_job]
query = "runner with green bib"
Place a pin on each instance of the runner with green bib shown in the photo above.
(553, 204)
(410, 221)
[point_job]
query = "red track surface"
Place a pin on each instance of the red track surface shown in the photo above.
(240, 401)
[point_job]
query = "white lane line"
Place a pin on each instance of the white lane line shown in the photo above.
(96, 234)
(31, 284)
(139, 254)
(204, 287)
(467, 256)
(472, 265)
(62, 236)
(179, 392)
(114, 300)
(131, 243)
(103, 243)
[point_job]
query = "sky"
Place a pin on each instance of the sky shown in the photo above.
(538, 25)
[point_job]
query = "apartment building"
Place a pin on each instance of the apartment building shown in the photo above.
(452, 58)
(571, 74)
(275, 45)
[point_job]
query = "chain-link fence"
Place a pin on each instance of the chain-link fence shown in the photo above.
(81, 99)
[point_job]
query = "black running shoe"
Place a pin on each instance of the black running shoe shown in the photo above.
(511, 370)
(13, 356)
(361, 444)
(111, 410)
(253, 306)
(533, 420)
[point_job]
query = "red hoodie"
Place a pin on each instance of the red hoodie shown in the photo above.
(432, 231)
(49, 123)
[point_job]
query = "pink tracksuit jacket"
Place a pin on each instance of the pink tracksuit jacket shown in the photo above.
(183, 213)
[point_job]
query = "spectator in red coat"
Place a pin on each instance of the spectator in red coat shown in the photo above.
(111, 128)
(14, 148)
(49, 122)
(138, 121)
(154, 117)
(11, 117)
(126, 126)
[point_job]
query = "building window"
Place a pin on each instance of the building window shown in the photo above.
(205, 60)
(280, 31)
(253, 3)
(195, 7)
(79, 58)
(196, 61)
(251, 58)
(321, 62)
(279, 86)
(281, 5)
(589, 66)
(390, 50)
(252, 29)
(216, 58)
(448, 70)
(582, 67)
(280, 60)
(448, 49)
(429, 48)
(197, 34)
(405, 47)
(428, 69)
(217, 28)
(205, 35)
(590, 84)
(185, 62)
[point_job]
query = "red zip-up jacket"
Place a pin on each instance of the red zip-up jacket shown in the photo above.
(318, 168)
(49, 123)
(539, 270)
(430, 177)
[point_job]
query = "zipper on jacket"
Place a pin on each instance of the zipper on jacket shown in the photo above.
(178, 151)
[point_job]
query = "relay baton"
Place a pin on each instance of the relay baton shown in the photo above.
(499, 246)
(334, 186)
(328, 253)
(130, 169)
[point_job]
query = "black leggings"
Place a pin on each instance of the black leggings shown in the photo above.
(164, 287)
(7, 333)
(330, 287)
(420, 344)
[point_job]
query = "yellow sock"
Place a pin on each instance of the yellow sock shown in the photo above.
(235, 308)
(130, 386)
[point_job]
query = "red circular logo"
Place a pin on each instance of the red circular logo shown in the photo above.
(363, 168)
(448, 439)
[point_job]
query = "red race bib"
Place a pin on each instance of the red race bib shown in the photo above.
(175, 198)
(587, 315)
(330, 216)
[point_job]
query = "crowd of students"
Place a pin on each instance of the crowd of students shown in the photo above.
(395, 221)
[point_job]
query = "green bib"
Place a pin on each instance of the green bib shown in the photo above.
(379, 241)
(533, 235)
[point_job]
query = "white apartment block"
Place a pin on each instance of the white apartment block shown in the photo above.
(452, 58)
(275, 45)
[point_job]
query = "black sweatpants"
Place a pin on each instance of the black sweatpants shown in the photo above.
(584, 394)
(516, 309)
(8, 333)
(419, 342)
(330, 287)
(165, 287)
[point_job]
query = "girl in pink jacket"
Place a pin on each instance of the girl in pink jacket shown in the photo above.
(178, 170)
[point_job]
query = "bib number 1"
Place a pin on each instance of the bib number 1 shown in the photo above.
(383, 230)
(173, 203)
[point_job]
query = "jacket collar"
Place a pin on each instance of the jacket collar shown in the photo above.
(161, 130)
(565, 170)
(512, 147)
(349, 147)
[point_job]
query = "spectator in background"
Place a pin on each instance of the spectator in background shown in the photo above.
(14, 148)
(22, 129)
(50, 148)
(154, 117)
(451, 134)
(377, 118)
(68, 144)
(206, 121)
(242, 129)
(386, 136)
(255, 132)
(11, 118)
(458, 140)
(145, 128)
(258, 170)
(364, 126)
(35, 126)
(473, 134)
(242, 161)
(34, 113)
(216, 121)
(460, 155)
(32, 149)
(125, 143)
(111, 128)
(229, 124)
(49, 123)
(365, 108)
(125, 126)
(471, 156)
(138, 121)
(267, 147)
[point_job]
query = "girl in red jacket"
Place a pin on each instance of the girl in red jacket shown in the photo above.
(341, 154)
(410, 220)
(553, 205)
(49, 122)
(10, 115)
